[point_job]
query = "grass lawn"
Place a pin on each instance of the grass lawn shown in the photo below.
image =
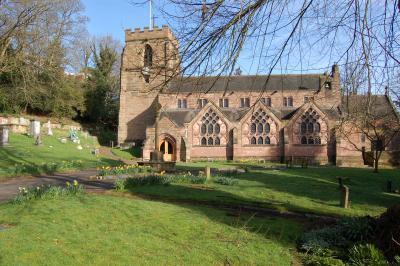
(110, 230)
(22, 156)
(312, 190)
(128, 154)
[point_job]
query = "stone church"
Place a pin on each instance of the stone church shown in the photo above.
(277, 117)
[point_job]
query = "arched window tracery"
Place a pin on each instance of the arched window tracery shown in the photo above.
(210, 129)
(310, 128)
(260, 128)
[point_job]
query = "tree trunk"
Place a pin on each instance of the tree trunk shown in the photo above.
(376, 161)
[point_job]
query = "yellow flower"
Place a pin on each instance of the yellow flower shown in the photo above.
(75, 183)
(68, 184)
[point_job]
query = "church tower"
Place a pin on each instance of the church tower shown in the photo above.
(149, 59)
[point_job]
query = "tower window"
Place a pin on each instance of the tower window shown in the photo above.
(148, 56)
(284, 101)
(290, 101)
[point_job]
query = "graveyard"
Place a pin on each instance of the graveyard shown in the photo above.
(25, 153)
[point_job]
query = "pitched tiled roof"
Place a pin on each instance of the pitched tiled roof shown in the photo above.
(244, 83)
(380, 105)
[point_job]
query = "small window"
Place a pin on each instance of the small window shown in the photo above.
(245, 102)
(253, 128)
(224, 103)
(317, 140)
(290, 101)
(182, 103)
(202, 102)
(260, 141)
(203, 129)
(217, 129)
(310, 141)
(285, 102)
(268, 101)
(217, 141)
(303, 127)
(253, 141)
(260, 128)
(210, 129)
(363, 138)
(303, 140)
(267, 128)
(210, 141)
(203, 141)
(267, 140)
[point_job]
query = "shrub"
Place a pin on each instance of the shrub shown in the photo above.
(227, 181)
(120, 184)
(123, 170)
(342, 235)
(315, 260)
(387, 229)
(357, 228)
(366, 254)
(158, 179)
(48, 192)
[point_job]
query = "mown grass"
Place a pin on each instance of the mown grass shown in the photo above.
(128, 154)
(22, 156)
(313, 190)
(108, 230)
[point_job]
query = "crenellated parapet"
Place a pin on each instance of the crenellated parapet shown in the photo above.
(149, 34)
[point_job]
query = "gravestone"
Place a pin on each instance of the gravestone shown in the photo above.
(35, 128)
(49, 129)
(4, 135)
(389, 186)
(344, 199)
(38, 140)
(208, 172)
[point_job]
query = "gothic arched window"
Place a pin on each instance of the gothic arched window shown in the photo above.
(260, 128)
(310, 128)
(210, 129)
(148, 56)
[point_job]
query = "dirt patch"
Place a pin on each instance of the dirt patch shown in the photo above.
(5, 226)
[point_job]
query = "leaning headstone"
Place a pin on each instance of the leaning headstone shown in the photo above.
(208, 172)
(38, 140)
(3, 135)
(49, 130)
(389, 186)
(340, 181)
(344, 200)
(79, 147)
(35, 128)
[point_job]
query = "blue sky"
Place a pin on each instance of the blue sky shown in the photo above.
(112, 17)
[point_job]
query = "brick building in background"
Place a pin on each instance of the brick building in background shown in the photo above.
(275, 118)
